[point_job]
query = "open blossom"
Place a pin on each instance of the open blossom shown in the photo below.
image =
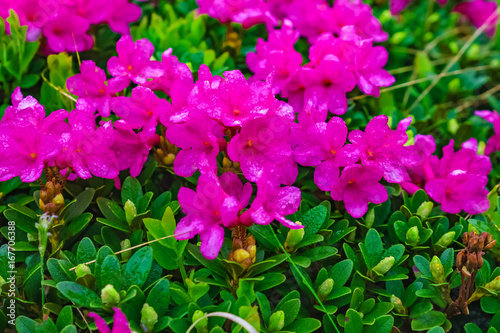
(273, 203)
(233, 186)
(381, 147)
(91, 85)
(133, 61)
(420, 163)
(262, 147)
(466, 159)
(324, 145)
(199, 145)
(480, 12)
(120, 322)
(28, 139)
(357, 186)
(142, 110)
(207, 210)
(121, 14)
(494, 141)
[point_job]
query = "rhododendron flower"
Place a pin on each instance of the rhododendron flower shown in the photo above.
(466, 159)
(133, 60)
(397, 6)
(276, 57)
(273, 203)
(494, 141)
(323, 145)
(262, 147)
(460, 191)
(381, 147)
(91, 84)
(142, 109)
(120, 322)
(357, 186)
(67, 31)
(173, 72)
(121, 13)
(198, 143)
(310, 18)
(233, 186)
(480, 12)
(419, 162)
(206, 211)
(87, 149)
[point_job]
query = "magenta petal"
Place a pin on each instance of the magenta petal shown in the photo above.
(211, 241)
(325, 175)
(120, 322)
(101, 324)
(185, 163)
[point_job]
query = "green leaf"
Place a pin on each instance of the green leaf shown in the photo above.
(214, 265)
(138, 267)
(490, 305)
(472, 328)
(304, 325)
(159, 297)
(65, 318)
(423, 266)
(76, 225)
(25, 325)
(372, 249)
(110, 273)
(264, 306)
(81, 203)
(86, 251)
(313, 220)
(271, 280)
(80, 295)
(383, 324)
(428, 321)
(57, 272)
(131, 190)
(447, 259)
(341, 272)
(122, 226)
(320, 252)
(266, 265)
(290, 308)
(353, 321)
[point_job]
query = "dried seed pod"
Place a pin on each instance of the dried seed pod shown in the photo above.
(460, 259)
(466, 238)
(490, 245)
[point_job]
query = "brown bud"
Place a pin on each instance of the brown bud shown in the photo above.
(466, 238)
(460, 259)
(473, 243)
(472, 260)
(237, 244)
(480, 260)
(250, 240)
(465, 271)
(482, 240)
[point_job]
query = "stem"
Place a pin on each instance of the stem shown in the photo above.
(240, 321)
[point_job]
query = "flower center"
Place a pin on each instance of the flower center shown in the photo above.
(333, 151)
(236, 112)
(249, 143)
(206, 143)
(129, 67)
(352, 181)
(327, 83)
(33, 156)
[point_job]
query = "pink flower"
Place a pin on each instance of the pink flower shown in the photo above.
(206, 210)
(91, 84)
(142, 110)
(120, 322)
(419, 162)
(199, 145)
(480, 12)
(133, 60)
(460, 191)
(233, 186)
(397, 6)
(273, 203)
(87, 149)
(382, 148)
(262, 147)
(67, 32)
(466, 159)
(323, 145)
(122, 12)
(494, 141)
(357, 186)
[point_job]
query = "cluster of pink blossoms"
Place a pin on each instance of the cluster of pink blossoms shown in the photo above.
(311, 17)
(233, 118)
(65, 24)
(337, 65)
(476, 11)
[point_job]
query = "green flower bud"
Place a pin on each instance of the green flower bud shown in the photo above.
(384, 265)
(494, 285)
(454, 85)
(130, 211)
(425, 209)
(473, 52)
(293, 238)
(481, 146)
(370, 217)
(149, 317)
(398, 305)
(453, 126)
(412, 236)
(437, 270)
(110, 296)
(82, 270)
(325, 288)
(398, 37)
(276, 321)
(446, 239)
(125, 244)
(202, 325)
(2, 281)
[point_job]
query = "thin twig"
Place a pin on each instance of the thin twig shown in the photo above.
(59, 89)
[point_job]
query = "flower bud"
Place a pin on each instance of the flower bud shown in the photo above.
(481, 146)
(149, 317)
(130, 211)
(398, 305)
(425, 209)
(325, 288)
(239, 255)
(412, 236)
(384, 265)
(110, 296)
(446, 239)
(370, 217)
(58, 200)
(293, 238)
(226, 162)
(169, 159)
(202, 325)
(437, 270)
(82, 270)
(494, 285)
(276, 321)
(125, 244)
